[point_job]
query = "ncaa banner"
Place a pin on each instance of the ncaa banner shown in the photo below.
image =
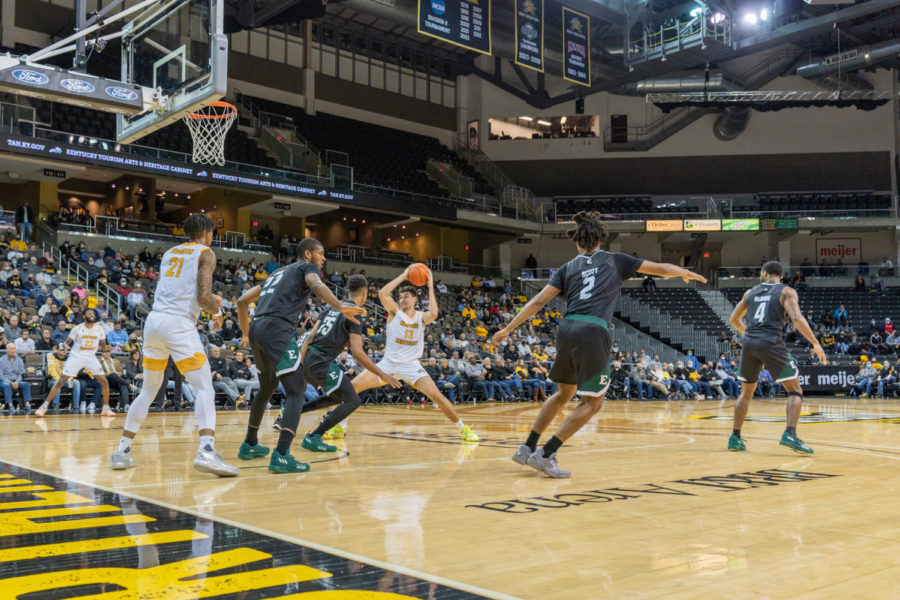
(465, 23)
(576, 46)
(530, 34)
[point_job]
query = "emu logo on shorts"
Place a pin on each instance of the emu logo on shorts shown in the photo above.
(292, 354)
(332, 375)
(604, 379)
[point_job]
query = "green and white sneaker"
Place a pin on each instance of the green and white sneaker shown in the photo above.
(248, 452)
(314, 443)
(285, 463)
(795, 444)
(736, 444)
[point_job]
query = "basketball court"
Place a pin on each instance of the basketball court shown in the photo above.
(656, 508)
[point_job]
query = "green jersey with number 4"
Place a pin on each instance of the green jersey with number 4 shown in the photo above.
(765, 314)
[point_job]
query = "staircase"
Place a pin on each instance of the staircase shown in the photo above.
(630, 338)
(718, 302)
(277, 135)
(72, 272)
(667, 328)
(512, 196)
(640, 139)
(446, 176)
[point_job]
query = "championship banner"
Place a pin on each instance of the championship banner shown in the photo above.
(576, 46)
(838, 248)
(465, 23)
(530, 34)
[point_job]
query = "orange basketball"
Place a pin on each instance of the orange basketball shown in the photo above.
(418, 274)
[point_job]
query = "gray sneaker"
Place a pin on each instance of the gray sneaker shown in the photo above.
(522, 454)
(547, 465)
(119, 461)
(210, 461)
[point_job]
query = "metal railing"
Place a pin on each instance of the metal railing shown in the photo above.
(72, 271)
(826, 271)
(143, 230)
(669, 326)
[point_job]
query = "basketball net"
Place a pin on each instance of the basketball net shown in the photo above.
(208, 127)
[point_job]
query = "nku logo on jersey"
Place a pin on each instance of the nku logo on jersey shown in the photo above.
(78, 86)
(32, 77)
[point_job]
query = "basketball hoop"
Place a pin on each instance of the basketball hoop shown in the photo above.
(209, 126)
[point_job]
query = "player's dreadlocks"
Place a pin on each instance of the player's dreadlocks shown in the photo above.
(589, 231)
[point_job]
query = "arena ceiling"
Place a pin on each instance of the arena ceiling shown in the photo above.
(797, 33)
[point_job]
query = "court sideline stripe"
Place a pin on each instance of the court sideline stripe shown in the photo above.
(315, 546)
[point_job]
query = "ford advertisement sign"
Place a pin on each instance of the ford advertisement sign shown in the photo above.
(60, 85)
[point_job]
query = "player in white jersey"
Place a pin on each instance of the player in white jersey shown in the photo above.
(86, 339)
(405, 341)
(183, 289)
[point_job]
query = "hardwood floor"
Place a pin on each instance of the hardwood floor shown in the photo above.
(656, 508)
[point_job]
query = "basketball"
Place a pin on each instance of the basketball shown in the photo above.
(418, 274)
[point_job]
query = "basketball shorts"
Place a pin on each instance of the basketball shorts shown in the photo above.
(168, 335)
(275, 345)
(321, 370)
(408, 371)
(769, 353)
(76, 362)
(582, 354)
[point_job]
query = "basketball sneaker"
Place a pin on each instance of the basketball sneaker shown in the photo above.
(42, 410)
(314, 443)
(736, 444)
(522, 454)
(248, 452)
(795, 444)
(285, 463)
(467, 434)
(210, 461)
(335, 433)
(119, 461)
(547, 464)
(107, 411)
(279, 421)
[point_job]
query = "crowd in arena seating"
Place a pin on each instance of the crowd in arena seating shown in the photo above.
(38, 308)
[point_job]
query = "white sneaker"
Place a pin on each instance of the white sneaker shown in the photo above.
(92, 408)
(119, 461)
(83, 407)
(107, 412)
(210, 461)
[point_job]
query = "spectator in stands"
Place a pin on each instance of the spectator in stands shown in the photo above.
(25, 221)
(729, 382)
(649, 284)
(864, 378)
(55, 362)
(17, 248)
(61, 333)
(44, 343)
(840, 315)
(887, 267)
(134, 370)
(876, 341)
(45, 307)
(52, 318)
(114, 376)
(12, 329)
(11, 371)
(456, 363)
(24, 343)
(230, 332)
(135, 299)
(475, 373)
(828, 340)
(122, 289)
(117, 338)
(707, 373)
(766, 384)
(14, 283)
(508, 378)
(877, 285)
(886, 379)
(79, 290)
(221, 381)
(242, 375)
(60, 294)
(691, 361)
(443, 383)
(440, 287)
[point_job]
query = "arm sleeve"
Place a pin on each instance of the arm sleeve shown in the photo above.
(559, 279)
(627, 265)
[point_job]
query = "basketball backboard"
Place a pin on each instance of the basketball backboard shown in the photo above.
(178, 48)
